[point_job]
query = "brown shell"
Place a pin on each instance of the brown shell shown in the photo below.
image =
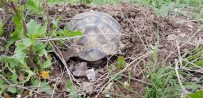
(101, 35)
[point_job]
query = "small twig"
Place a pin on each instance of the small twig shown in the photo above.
(196, 71)
(7, 4)
(179, 80)
(14, 8)
(52, 95)
(189, 21)
(31, 54)
(59, 54)
(66, 38)
(18, 86)
(138, 80)
(48, 18)
(115, 75)
(136, 32)
(179, 55)
(8, 19)
(5, 79)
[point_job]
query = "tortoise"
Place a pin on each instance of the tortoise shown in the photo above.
(101, 35)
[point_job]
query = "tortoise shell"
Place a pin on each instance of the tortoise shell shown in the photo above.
(101, 35)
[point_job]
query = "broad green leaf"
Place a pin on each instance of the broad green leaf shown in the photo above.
(197, 94)
(35, 83)
(21, 56)
(1, 81)
(121, 62)
(71, 88)
(27, 42)
(34, 5)
(45, 87)
(55, 24)
(11, 41)
(20, 91)
(2, 87)
(74, 33)
(42, 52)
(42, 30)
(40, 49)
(1, 28)
(46, 64)
(20, 47)
(35, 29)
(12, 89)
(12, 62)
(65, 32)
(32, 27)
(14, 78)
(39, 46)
(17, 19)
(4, 58)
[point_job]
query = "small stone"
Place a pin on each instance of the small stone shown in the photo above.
(60, 10)
(80, 69)
(90, 74)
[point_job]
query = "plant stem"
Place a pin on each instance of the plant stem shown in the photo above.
(48, 18)
(30, 54)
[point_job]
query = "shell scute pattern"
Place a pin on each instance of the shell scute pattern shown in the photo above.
(101, 35)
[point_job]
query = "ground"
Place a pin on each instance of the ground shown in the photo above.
(143, 32)
(143, 29)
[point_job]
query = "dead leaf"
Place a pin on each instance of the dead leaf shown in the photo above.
(55, 86)
(25, 93)
(6, 96)
(80, 69)
(21, 77)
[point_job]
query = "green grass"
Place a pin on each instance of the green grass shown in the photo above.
(162, 7)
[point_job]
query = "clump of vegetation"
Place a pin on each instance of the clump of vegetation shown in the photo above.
(29, 62)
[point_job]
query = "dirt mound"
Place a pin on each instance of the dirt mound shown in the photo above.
(143, 31)
(142, 28)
